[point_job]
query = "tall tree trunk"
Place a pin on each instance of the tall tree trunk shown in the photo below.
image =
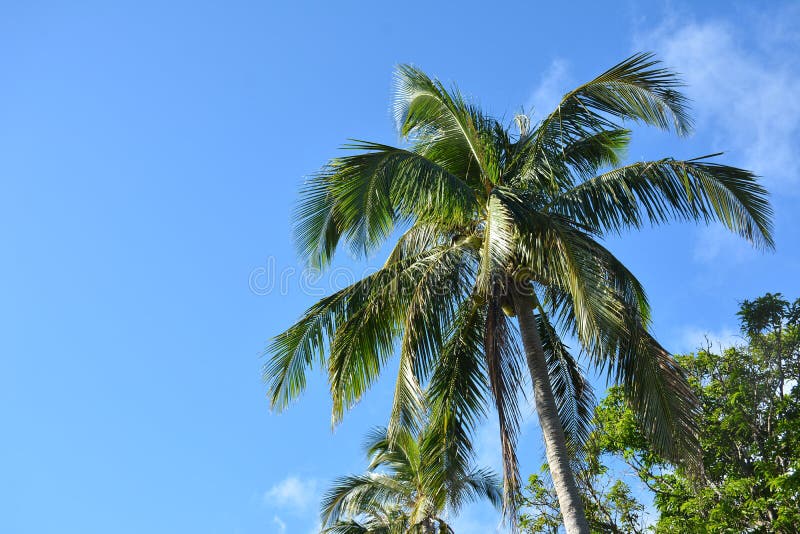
(569, 499)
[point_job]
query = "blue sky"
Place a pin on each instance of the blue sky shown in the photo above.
(150, 155)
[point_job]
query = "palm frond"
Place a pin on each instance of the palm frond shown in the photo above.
(637, 88)
(582, 134)
(303, 344)
(573, 393)
(420, 188)
(484, 484)
(664, 190)
(504, 367)
(659, 393)
(352, 495)
(358, 351)
(361, 197)
(587, 155)
(347, 527)
(444, 127)
(499, 243)
(652, 381)
(557, 255)
(419, 238)
(432, 305)
(457, 395)
(417, 309)
(398, 455)
(316, 232)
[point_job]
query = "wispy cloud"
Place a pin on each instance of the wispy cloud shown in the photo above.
(715, 241)
(743, 80)
(280, 524)
(693, 338)
(552, 86)
(292, 493)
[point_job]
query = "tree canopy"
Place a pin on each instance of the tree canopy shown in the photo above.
(750, 437)
(408, 488)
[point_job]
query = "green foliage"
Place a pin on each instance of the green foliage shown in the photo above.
(409, 484)
(750, 436)
(751, 430)
(609, 501)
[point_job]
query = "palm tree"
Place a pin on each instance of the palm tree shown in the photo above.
(407, 488)
(497, 225)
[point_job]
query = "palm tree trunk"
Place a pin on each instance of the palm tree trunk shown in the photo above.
(427, 526)
(569, 499)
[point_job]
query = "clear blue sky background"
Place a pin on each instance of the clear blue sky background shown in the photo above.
(150, 153)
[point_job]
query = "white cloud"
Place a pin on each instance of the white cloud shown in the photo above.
(293, 493)
(743, 80)
(693, 338)
(552, 86)
(280, 524)
(715, 242)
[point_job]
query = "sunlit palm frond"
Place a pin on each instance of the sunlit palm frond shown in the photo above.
(582, 134)
(637, 88)
(651, 379)
(605, 306)
(660, 395)
(304, 343)
(347, 527)
(665, 190)
(444, 127)
(362, 344)
(409, 484)
(420, 188)
(361, 197)
(420, 237)
(432, 306)
(499, 243)
(587, 155)
(316, 232)
(399, 455)
(557, 255)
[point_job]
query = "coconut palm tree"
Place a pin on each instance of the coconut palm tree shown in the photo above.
(490, 225)
(408, 487)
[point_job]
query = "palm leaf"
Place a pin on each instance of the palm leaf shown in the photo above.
(504, 367)
(363, 196)
(457, 394)
(444, 127)
(362, 344)
(304, 343)
(573, 393)
(656, 387)
(352, 495)
(636, 88)
(664, 190)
